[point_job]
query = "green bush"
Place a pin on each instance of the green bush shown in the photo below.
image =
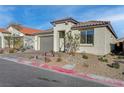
(116, 65)
(22, 49)
(120, 57)
(104, 56)
(85, 56)
(103, 59)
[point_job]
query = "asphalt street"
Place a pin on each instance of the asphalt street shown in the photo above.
(18, 75)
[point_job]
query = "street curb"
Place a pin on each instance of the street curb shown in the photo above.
(92, 77)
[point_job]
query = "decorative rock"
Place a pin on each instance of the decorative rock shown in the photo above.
(69, 66)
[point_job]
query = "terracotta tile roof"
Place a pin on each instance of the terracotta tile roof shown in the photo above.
(49, 31)
(65, 19)
(26, 30)
(3, 30)
(91, 23)
(95, 24)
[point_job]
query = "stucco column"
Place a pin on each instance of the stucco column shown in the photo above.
(36, 44)
(2, 42)
(56, 41)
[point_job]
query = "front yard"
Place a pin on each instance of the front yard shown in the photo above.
(81, 63)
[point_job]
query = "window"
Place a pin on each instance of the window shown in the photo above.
(87, 37)
(61, 34)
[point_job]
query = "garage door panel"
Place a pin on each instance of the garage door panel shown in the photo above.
(46, 43)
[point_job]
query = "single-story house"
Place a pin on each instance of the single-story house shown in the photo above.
(3, 34)
(18, 32)
(96, 37)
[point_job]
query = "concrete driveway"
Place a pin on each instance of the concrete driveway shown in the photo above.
(19, 75)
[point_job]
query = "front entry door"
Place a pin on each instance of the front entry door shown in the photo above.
(61, 41)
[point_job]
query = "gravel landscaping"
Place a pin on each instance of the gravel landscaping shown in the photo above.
(82, 63)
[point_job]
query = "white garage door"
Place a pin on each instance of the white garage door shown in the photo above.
(46, 43)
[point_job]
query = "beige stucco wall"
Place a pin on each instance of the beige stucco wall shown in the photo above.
(2, 40)
(109, 39)
(57, 28)
(102, 39)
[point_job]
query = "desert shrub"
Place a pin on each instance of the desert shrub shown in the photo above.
(22, 49)
(37, 57)
(47, 59)
(104, 56)
(122, 73)
(84, 56)
(105, 60)
(59, 59)
(120, 57)
(110, 65)
(31, 57)
(114, 65)
(102, 59)
(85, 65)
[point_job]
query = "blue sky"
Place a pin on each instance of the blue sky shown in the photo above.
(40, 16)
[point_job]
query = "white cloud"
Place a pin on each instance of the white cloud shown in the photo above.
(114, 18)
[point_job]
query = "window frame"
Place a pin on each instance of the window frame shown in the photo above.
(86, 36)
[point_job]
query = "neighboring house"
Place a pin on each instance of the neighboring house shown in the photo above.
(23, 34)
(3, 34)
(96, 37)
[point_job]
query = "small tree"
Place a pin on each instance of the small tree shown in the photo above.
(71, 42)
(15, 41)
(8, 39)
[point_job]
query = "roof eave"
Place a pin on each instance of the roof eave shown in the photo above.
(96, 26)
(64, 20)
